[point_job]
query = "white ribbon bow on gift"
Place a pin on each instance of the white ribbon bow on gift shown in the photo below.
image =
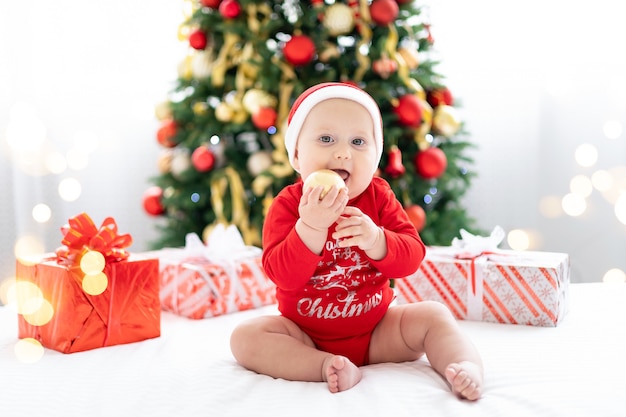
(225, 247)
(473, 247)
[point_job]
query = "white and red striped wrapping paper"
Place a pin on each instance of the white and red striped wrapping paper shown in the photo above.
(501, 286)
(198, 288)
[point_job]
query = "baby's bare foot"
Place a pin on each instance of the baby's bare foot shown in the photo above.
(340, 374)
(466, 379)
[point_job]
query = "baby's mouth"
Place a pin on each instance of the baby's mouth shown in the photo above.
(343, 174)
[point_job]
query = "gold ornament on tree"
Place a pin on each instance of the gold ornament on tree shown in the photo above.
(339, 19)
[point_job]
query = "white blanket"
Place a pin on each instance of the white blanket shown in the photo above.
(575, 369)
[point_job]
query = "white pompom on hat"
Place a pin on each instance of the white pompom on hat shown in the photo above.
(325, 91)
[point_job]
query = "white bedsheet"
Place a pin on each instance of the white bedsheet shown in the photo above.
(575, 369)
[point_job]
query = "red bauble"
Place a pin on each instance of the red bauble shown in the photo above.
(417, 216)
(299, 50)
(230, 9)
(167, 132)
(440, 96)
(431, 163)
(213, 4)
(409, 111)
(197, 39)
(202, 159)
(264, 118)
(152, 201)
(395, 167)
(384, 12)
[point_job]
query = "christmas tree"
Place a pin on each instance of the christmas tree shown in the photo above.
(222, 125)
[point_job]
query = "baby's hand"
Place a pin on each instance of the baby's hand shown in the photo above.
(354, 228)
(320, 214)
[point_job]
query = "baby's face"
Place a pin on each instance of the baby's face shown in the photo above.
(338, 134)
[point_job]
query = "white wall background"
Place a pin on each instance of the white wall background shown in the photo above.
(536, 80)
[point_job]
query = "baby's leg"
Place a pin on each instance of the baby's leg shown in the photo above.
(277, 347)
(408, 331)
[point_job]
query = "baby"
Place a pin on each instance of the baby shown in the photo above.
(331, 259)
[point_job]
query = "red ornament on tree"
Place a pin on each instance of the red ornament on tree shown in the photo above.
(166, 133)
(431, 163)
(213, 4)
(417, 216)
(384, 12)
(197, 39)
(395, 167)
(152, 201)
(409, 111)
(230, 9)
(202, 159)
(264, 118)
(385, 66)
(299, 50)
(440, 96)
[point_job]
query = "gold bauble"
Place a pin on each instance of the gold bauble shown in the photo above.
(162, 110)
(339, 19)
(259, 162)
(224, 113)
(164, 161)
(446, 120)
(256, 98)
(202, 64)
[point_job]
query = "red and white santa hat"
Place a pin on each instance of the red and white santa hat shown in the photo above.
(325, 91)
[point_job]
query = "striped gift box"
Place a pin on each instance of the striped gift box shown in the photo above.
(500, 286)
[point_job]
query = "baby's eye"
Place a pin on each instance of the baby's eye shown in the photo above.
(358, 141)
(326, 139)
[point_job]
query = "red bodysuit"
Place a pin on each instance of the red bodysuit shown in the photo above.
(338, 297)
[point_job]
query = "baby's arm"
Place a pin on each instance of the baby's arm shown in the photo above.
(316, 215)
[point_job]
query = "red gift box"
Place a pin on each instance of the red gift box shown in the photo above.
(207, 281)
(126, 310)
(501, 286)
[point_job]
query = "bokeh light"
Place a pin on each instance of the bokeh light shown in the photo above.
(42, 315)
(28, 350)
(95, 284)
(70, 189)
(26, 296)
(550, 206)
(602, 180)
(92, 262)
(586, 155)
(41, 213)
(614, 275)
(620, 208)
(612, 129)
(55, 162)
(581, 185)
(518, 239)
(573, 204)
(26, 246)
(6, 285)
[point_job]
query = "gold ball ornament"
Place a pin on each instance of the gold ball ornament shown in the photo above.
(164, 161)
(326, 178)
(259, 162)
(256, 98)
(224, 113)
(180, 163)
(162, 110)
(339, 19)
(446, 120)
(202, 64)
